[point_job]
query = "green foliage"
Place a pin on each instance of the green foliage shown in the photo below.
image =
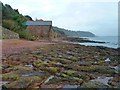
(19, 19)
(28, 17)
(11, 25)
(26, 35)
(14, 21)
(7, 12)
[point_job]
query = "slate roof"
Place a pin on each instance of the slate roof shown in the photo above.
(36, 23)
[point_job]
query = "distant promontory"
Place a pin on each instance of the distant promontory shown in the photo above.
(75, 33)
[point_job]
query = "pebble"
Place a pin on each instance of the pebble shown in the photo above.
(107, 60)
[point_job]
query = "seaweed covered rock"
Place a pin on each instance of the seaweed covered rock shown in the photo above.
(25, 82)
(115, 81)
(94, 84)
(12, 76)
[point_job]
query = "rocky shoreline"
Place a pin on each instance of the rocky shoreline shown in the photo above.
(61, 65)
(81, 40)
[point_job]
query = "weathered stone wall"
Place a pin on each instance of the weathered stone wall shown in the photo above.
(53, 34)
(7, 34)
(40, 31)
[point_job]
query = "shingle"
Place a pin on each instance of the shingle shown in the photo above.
(35, 23)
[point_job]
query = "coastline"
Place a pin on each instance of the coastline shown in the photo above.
(81, 40)
(92, 41)
(69, 63)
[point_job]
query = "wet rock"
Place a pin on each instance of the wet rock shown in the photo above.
(96, 56)
(69, 57)
(118, 85)
(65, 61)
(46, 59)
(52, 70)
(39, 64)
(60, 56)
(114, 81)
(5, 68)
(83, 63)
(104, 70)
(52, 50)
(3, 87)
(71, 65)
(70, 72)
(117, 69)
(95, 63)
(21, 68)
(59, 50)
(107, 60)
(54, 80)
(24, 82)
(29, 65)
(46, 81)
(71, 86)
(91, 76)
(3, 83)
(33, 73)
(51, 86)
(39, 53)
(58, 63)
(3, 59)
(12, 76)
(72, 80)
(70, 53)
(103, 80)
(14, 58)
(115, 58)
(74, 59)
(94, 84)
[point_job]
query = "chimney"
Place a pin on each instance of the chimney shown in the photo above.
(39, 20)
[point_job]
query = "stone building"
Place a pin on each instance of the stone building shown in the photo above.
(40, 28)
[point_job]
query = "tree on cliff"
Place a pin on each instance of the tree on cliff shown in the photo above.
(13, 20)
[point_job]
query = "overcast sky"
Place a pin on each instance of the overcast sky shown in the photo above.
(97, 16)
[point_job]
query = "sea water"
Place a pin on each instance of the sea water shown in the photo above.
(111, 41)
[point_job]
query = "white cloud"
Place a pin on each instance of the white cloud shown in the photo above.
(23, 8)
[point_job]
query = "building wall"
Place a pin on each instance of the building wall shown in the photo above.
(53, 34)
(40, 31)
